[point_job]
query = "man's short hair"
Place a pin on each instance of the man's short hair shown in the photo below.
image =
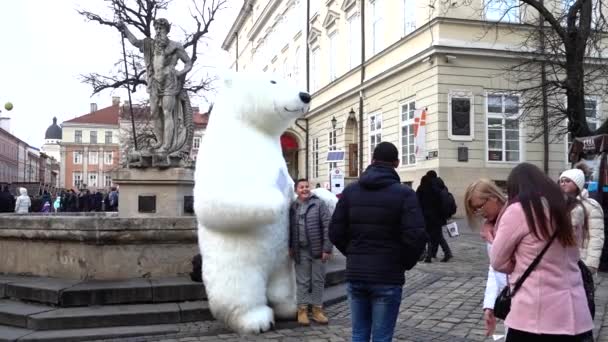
(385, 152)
(432, 174)
(300, 181)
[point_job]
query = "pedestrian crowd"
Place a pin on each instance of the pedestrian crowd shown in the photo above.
(61, 201)
(544, 239)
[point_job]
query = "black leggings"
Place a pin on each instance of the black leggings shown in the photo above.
(522, 336)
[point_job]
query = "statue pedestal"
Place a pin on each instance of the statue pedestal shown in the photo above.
(155, 192)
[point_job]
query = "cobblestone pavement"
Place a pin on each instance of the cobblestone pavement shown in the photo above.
(441, 302)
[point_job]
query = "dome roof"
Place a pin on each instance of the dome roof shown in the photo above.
(54, 131)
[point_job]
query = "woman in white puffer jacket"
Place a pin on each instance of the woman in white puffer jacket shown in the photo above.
(23, 204)
(572, 182)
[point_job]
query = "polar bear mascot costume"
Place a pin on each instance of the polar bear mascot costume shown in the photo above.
(242, 195)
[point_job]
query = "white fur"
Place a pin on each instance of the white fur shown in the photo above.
(328, 197)
(242, 194)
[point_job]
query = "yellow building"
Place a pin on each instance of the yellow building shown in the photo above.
(448, 61)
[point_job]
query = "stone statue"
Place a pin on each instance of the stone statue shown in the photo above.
(170, 108)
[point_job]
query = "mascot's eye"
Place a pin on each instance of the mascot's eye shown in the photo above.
(273, 82)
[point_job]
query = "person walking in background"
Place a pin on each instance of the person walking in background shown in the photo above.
(572, 182)
(551, 304)
(57, 203)
(113, 199)
(483, 202)
(437, 206)
(23, 203)
(379, 227)
(7, 200)
(310, 248)
(46, 197)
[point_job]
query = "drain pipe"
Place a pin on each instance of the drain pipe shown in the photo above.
(307, 82)
(236, 54)
(362, 4)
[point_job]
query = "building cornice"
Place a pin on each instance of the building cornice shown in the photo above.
(263, 18)
(238, 23)
(439, 48)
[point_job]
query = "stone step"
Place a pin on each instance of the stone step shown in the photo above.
(39, 317)
(72, 335)
(76, 293)
(72, 293)
(36, 317)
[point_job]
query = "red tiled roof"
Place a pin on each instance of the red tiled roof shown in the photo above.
(104, 116)
(200, 119)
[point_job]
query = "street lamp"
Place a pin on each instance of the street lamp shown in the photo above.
(334, 122)
(351, 114)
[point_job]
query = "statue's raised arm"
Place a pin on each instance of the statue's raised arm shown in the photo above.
(122, 27)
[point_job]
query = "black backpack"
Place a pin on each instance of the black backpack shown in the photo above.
(448, 204)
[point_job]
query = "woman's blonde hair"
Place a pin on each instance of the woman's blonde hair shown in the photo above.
(485, 189)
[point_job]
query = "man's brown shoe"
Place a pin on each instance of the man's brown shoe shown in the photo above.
(303, 315)
(318, 315)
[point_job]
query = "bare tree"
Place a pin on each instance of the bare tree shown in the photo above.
(560, 59)
(141, 14)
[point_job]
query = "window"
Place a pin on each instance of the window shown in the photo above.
(409, 16)
(375, 132)
(78, 136)
(408, 133)
(332, 146)
(77, 157)
(77, 177)
(333, 55)
(504, 10)
(93, 158)
(108, 158)
(108, 137)
(460, 116)
(196, 143)
(107, 180)
(503, 128)
(592, 113)
(93, 137)
(315, 158)
(313, 69)
(377, 26)
(92, 180)
(354, 41)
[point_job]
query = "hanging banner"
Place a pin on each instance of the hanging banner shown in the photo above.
(420, 133)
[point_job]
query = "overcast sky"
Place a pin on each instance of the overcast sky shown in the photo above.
(45, 45)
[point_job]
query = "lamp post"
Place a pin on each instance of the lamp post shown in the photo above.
(334, 122)
(351, 114)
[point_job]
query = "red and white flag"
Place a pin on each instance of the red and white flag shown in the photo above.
(420, 133)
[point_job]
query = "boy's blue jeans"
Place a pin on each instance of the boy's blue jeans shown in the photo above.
(374, 309)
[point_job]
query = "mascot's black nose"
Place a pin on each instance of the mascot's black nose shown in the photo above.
(305, 97)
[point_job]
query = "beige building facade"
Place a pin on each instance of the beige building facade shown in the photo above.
(417, 57)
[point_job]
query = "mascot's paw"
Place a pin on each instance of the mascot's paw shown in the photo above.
(285, 311)
(257, 320)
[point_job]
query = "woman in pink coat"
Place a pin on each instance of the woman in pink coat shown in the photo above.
(551, 304)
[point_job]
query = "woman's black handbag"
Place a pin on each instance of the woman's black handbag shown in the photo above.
(589, 286)
(502, 305)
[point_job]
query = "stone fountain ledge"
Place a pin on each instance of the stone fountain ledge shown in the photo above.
(99, 229)
(101, 246)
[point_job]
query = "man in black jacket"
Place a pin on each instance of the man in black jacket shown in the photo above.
(379, 227)
(432, 196)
